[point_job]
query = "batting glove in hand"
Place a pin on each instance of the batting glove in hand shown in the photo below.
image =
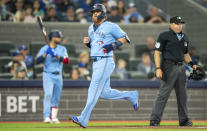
(113, 46)
(48, 50)
(51, 52)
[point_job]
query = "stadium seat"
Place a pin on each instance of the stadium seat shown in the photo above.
(133, 62)
(81, 78)
(78, 52)
(67, 67)
(6, 46)
(121, 55)
(73, 63)
(204, 59)
(71, 49)
(38, 69)
(6, 68)
(66, 76)
(11, 51)
(115, 77)
(39, 76)
(5, 76)
(4, 60)
(135, 76)
(35, 47)
(139, 50)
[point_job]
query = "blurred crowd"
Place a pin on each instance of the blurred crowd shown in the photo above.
(75, 11)
(22, 65)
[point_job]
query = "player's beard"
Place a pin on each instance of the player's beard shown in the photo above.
(57, 42)
(95, 19)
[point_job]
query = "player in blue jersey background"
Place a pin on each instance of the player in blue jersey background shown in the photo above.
(53, 56)
(104, 37)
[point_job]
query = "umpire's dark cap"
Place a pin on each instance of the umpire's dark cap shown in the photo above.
(176, 20)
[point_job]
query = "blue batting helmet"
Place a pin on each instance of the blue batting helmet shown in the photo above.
(55, 33)
(99, 7)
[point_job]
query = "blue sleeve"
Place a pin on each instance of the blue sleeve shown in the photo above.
(65, 53)
(64, 56)
(42, 51)
(117, 33)
(39, 57)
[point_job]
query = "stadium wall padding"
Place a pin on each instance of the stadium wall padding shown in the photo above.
(23, 101)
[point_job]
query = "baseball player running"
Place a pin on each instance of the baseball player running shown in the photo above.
(53, 56)
(104, 37)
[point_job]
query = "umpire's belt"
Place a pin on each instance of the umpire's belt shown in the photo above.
(97, 58)
(54, 73)
(179, 63)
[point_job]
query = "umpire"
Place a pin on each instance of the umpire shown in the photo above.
(171, 50)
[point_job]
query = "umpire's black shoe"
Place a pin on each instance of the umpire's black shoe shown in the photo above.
(154, 123)
(186, 123)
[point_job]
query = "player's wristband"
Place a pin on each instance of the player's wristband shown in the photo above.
(157, 68)
(191, 63)
(40, 59)
(65, 60)
(116, 44)
(61, 58)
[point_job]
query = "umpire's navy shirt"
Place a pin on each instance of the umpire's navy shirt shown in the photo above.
(171, 47)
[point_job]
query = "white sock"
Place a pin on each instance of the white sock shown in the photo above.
(54, 113)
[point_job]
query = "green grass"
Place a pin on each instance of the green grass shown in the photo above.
(73, 127)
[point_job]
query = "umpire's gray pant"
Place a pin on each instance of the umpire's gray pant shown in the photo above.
(173, 77)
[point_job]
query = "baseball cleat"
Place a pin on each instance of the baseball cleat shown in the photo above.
(56, 121)
(136, 106)
(47, 120)
(186, 123)
(75, 120)
(154, 123)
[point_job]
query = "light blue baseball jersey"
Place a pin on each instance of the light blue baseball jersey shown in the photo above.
(105, 34)
(103, 67)
(52, 83)
(52, 64)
